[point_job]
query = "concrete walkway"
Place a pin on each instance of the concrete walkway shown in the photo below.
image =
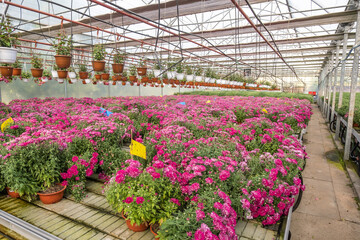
(328, 209)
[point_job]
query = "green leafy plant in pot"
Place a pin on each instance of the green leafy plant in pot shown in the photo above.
(99, 54)
(63, 45)
(83, 71)
(119, 61)
(6, 70)
(37, 64)
(7, 41)
(17, 68)
(141, 70)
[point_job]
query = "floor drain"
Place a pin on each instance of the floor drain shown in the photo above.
(333, 155)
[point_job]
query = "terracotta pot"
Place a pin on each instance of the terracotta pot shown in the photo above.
(134, 227)
(83, 75)
(141, 71)
(12, 193)
(37, 72)
(118, 67)
(123, 83)
(98, 76)
(105, 76)
(6, 71)
(62, 73)
(63, 61)
(50, 198)
(98, 66)
(115, 78)
(17, 72)
(165, 81)
(114, 83)
(132, 78)
(155, 234)
(145, 80)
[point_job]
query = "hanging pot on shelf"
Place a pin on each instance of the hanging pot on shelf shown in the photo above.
(37, 72)
(63, 61)
(17, 72)
(98, 66)
(6, 71)
(118, 67)
(8, 55)
(141, 71)
(105, 76)
(83, 75)
(132, 78)
(98, 76)
(62, 73)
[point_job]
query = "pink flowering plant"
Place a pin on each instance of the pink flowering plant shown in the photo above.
(142, 196)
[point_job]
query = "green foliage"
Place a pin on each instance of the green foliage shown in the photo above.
(36, 62)
(99, 52)
(180, 67)
(32, 168)
(198, 71)
(6, 37)
(188, 70)
(156, 194)
(17, 64)
(63, 44)
(25, 74)
(132, 70)
(119, 57)
(82, 67)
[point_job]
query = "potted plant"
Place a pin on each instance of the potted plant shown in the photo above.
(105, 75)
(63, 46)
(180, 71)
(141, 70)
(83, 71)
(99, 54)
(62, 73)
(132, 72)
(37, 64)
(17, 68)
(189, 73)
(119, 60)
(7, 40)
(46, 75)
(25, 76)
(97, 76)
(6, 70)
(198, 74)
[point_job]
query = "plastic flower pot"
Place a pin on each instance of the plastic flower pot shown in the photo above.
(60, 80)
(123, 83)
(113, 83)
(189, 77)
(7, 55)
(63, 61)
(83, 75)
(145, 80)
(73, 80)
(25, 80)
(45, 79)
(180, 76)
(50, 198)
(105, 76)
(118, 67)
(37, 72)
(6, 71)
(17, 72)
(83, 81)
(98, 66)
(134, 227)
(131, 83)
(141, 71)
(72, 75)
(62, 73)
(12, 193)
(153, 227)
(98, 76)
(54, 74)
(132, 78)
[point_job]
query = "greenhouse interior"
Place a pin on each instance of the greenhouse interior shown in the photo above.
(179, 119)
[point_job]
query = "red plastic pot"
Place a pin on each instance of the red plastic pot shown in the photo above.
(17, 72)
(50, 198)
(12, 193)
(134, 227)
(83, 75)
(141, 71)
(6, 71)
(37, 72)
(62, 74)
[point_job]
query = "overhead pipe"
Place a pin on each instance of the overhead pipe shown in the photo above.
(168, 31)
(109, 32)
(263, 37)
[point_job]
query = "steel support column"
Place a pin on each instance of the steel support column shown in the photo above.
(331, 75)
(354, 76)
(342, 77)
(335, 81)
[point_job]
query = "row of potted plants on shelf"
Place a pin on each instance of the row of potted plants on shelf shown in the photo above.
(209, 161)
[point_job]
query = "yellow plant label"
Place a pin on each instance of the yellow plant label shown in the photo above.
(6, 124)
(264, 110)
(208, 101)
(137, 149)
